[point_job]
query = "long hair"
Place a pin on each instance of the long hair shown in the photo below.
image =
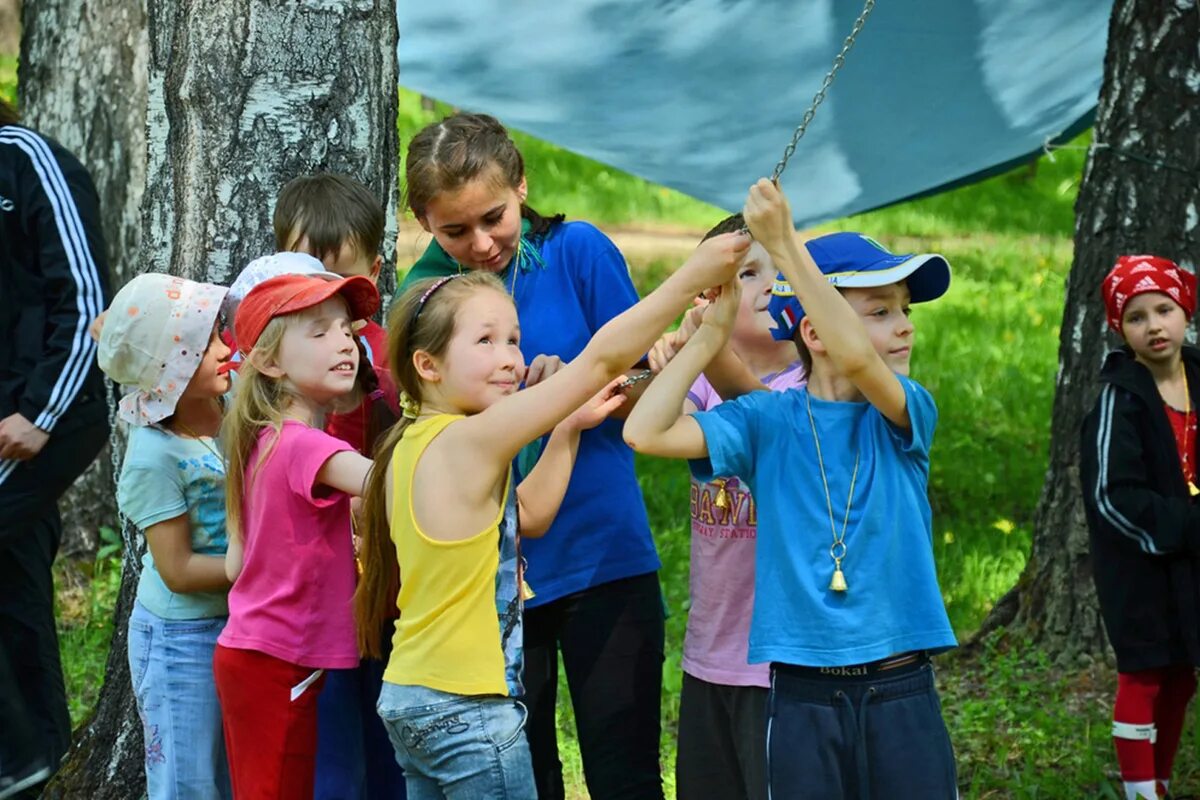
(259, 401)
(8, 113)
(408, 332)
(446, 155)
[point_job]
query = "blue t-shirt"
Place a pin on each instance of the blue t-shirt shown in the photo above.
(601, 532)
(165, 476)
(893, 603)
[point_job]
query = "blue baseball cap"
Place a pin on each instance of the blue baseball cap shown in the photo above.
(855, 260)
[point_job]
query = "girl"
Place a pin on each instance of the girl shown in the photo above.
(288, 512)
(161, 338)
(723, 704)
(597, 594)
(1138, 472)
(455, 670)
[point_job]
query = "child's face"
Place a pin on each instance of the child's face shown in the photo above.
(1154, 325)
(483, 361)
(479, 225)
(757, 276)
(206, 382)
(349, 261)
(884, 312)
(317, 354)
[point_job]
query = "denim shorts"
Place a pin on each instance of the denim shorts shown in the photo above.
(454, 746)
(170, 667)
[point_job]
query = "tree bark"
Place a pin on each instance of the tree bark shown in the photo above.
(1140, 194)
(83, 82)
(242, 97)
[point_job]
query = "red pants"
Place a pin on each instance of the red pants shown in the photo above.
(271, 739)
(1148, 720)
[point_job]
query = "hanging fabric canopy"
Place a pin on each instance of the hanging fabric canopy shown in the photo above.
(703, 95)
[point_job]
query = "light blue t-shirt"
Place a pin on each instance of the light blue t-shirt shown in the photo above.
(163, 477)
(893, 603)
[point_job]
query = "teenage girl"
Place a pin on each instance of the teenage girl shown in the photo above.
(597, 598)
(452, 682)
(161, 339)
(288, 512)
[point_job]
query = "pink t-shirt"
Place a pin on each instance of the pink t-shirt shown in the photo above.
(721, 585)
(293, 598)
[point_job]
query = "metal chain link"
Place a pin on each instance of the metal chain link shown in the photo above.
(819, 97)
(129, 535)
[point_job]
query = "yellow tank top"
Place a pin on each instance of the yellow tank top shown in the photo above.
(460, 609)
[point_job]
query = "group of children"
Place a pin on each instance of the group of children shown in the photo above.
(335, 526)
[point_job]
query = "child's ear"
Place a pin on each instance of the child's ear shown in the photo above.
(426, 366)
(267, 366)
(376, 268)
(808, 335)
(523, 189)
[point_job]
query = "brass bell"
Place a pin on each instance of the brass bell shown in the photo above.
(526, 590)
(722, 500)
(838, 584)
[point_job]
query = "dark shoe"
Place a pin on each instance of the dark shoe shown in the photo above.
(22, 779)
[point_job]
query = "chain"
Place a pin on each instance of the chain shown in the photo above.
(819, 97)
(129, 535)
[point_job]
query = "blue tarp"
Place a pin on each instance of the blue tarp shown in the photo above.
(702, 95)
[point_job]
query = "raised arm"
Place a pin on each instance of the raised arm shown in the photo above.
(499, 432)
(836, 323)
(656, 425)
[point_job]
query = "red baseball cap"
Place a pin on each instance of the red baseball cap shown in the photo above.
(288, 294)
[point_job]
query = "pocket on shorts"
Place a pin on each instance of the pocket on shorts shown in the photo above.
(139, 641)
(504, 721)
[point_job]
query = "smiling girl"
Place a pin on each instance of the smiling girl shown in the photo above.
(288, 513)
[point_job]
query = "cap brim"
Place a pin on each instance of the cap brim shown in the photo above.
(927, 274)
(360, 295)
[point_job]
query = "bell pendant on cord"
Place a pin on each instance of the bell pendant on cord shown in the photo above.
(838, 584)
(722, 500)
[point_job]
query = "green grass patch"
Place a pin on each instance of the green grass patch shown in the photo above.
(8, 78)
(561, 181)
(86, 595)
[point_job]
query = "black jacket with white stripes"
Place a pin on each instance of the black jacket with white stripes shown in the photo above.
(53, 283)
(1144, 525)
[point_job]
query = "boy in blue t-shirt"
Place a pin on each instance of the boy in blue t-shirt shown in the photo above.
(847, 607)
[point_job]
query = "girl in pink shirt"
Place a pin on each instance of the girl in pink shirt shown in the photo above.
(288, 514)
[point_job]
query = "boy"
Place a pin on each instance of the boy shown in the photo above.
(847, 618)
(1138, 473)
(723, 703)
(339, 222)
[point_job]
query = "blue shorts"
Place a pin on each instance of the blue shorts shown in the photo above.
(847, 736)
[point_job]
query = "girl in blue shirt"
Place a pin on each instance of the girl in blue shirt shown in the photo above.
(594, 578)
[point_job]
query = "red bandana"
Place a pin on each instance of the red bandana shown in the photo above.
(1134, 275)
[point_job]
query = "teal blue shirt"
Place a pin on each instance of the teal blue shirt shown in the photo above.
(166, 476)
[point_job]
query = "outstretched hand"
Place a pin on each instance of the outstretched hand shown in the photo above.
(672, 342)
(767, 212)
(598, 407)
(716, 260)
(722, 311)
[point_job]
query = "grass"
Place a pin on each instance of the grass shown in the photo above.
(1023, 726)
(8, 78)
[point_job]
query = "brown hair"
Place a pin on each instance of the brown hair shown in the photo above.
(330, 210)
(8, 113)
(446, 155)
(430, 330)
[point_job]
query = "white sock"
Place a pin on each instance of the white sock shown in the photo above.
(1141, 790)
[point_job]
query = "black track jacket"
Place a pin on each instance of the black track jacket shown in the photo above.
(1144, 525)
(53, 283)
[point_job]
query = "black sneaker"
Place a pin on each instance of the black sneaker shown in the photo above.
(22, 779)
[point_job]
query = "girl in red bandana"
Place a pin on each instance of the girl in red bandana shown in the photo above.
(1138, 473)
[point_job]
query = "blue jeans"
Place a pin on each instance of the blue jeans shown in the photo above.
(455, 747)
(170, 666)
(355, 759)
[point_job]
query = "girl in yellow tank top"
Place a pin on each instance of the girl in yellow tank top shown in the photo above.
(443, 513)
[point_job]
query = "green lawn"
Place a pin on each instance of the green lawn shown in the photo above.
(1024, 726)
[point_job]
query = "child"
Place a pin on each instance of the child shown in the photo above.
(337, 220)
(846, 604)
(161, 339)
(1138, 472)
(723, 704)
(448, 500)
(288, 513)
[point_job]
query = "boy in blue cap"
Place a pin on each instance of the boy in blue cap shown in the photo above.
(847, 607)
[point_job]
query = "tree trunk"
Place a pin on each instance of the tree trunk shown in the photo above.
(83, 82)
(242, 97)
(1140, 194)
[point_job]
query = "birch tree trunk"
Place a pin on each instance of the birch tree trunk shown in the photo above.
(1140, 194)
(242, 97)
